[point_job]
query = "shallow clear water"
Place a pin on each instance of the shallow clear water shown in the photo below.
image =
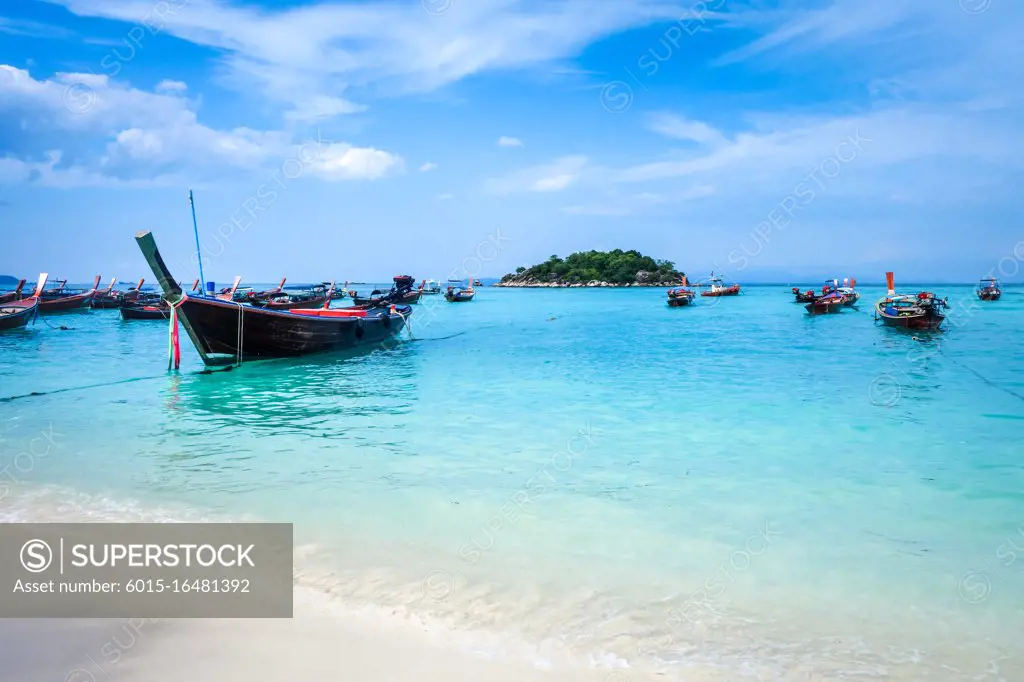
(734, 488)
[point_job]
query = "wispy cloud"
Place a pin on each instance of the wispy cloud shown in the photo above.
(552, 177)
(294, 53)
(504, 141)
(428, 166)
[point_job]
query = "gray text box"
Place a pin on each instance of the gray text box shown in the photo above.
(146, 570)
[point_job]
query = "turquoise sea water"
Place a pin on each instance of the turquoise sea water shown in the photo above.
(733, 490)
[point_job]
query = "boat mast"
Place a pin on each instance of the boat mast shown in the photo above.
(195, 228)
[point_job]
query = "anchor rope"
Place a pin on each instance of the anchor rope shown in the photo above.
(240, 336)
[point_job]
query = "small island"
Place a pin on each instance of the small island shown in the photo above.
(616, 268)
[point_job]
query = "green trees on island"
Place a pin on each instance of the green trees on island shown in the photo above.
(614, 267)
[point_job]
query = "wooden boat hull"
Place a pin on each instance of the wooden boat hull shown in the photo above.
(925, 321)
(17, 314)
(214, 328)
(851, 299)
(410, 298)
(820, 307)
(989, 295)
(296, 305)
(145, 312)
(66, 303)
(805, 296)
(105, 302)
(460, 297)
(15, 295)
(225, 332)
(679, 301)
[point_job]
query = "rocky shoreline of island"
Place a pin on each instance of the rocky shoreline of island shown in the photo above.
(536, 284)
(595, 269)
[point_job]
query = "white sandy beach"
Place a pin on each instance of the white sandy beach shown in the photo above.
(312, 646)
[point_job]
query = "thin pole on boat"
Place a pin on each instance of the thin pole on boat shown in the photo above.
(195, 227)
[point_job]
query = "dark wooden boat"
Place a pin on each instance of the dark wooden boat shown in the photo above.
(107, 299)
(410, 296)
(831, 301)
(13, 295)
(988, 290)
(680, 297)
(808, 296)
(58, 300)
(155, 310)
(460, 295)
(17, 314)
(315, 298)
(920, 311)
(259, 297)
(718, 288)
(226, 332)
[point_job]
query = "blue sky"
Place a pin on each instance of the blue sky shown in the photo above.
(771, 139)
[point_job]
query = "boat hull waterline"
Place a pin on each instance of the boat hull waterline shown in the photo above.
(225, 332)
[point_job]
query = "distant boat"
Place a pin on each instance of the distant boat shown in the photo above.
(988, 290)
(681, 296)
(846, 290)
(401, 293)
(431, 286)
(59, 300)
(458, 293)
(808, 296)
(158, 310)
(910, 311)
(13, 295)
(718, 288)
(678, 298)
(17, 314)
(831, 301)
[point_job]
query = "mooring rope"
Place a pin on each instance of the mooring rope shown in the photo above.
(982, 377)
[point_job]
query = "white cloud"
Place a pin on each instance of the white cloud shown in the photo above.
(552, 177)
(166, 86)
(321, 107)
(554, 183)
(345, 162)
(504, 141)
(679, 128)
(123, 134)
(294, 52)
(428, 166)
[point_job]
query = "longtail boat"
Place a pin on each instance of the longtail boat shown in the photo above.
(156, 310)
(681, 296)
(149, 306)
(257, 297)
(408, 297)
(225, 332)
(107, 298)
(314, 298)
(830, 301)
(17, 314)
(13, 295)
(910, 311)
(58, 300)
(718, 288)
(847, 290)
(458, 294)
(988, 290)
(804, 296)
(431, 287)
